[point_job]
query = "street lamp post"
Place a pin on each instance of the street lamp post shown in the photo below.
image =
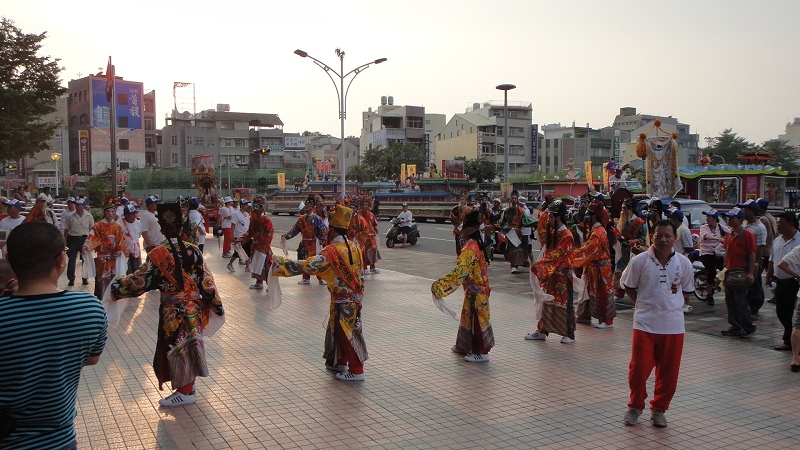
(56, 157)
(341, 95)
(505, 88)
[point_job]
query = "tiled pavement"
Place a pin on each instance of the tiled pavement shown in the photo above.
(268, 387)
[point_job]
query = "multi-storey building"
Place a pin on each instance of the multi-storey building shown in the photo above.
(479, 132)
(230, 137)
(391, 123)
(89, 125)
(792, 134)
(579, 144)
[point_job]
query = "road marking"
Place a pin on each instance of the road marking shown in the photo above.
(436, 239)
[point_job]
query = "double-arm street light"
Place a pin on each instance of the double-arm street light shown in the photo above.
(341, 95)
(505, 88)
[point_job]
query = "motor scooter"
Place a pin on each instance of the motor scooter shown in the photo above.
(395, 236)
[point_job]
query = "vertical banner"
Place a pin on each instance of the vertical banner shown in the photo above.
(606, 178)
(505, 189)
(84, 155)
(427, 151)
(402, 172)
(411, 170)
(587, 167)
(282, 181)
(535, 147)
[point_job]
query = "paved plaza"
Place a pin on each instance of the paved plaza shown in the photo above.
(269, 389)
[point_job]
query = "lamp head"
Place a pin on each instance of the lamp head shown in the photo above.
(505, 87)
(299, 52)
(378, 61)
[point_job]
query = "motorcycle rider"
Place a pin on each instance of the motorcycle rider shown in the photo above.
(405, 218)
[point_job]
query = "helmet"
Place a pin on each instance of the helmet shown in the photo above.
(559, 208)
(655, 205)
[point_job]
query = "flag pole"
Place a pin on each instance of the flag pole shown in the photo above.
(112, 100)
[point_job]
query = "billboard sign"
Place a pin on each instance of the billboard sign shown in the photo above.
(535, 145)
(128, 104)
(294, 142)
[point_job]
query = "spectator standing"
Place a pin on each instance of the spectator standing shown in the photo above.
(658, 282)
(783, 270)
(740, 255)
(76, 230)
(755, 294)
(151, 230)
(40, 364)
(225, 215)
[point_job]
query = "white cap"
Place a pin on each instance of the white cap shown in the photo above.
(227, 199)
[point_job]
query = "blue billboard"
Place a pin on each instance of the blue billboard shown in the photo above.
(128, 103)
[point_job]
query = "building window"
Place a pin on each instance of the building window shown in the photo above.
(413, 122)
(149, 142)
(199, 140)
(148, 124)
(124, 144)
(84, 119)
(148, 106)
(516, 131)
(242, 142)
(516, 150)
(174, 158)
(188, 139)
(122, 121)
(227, 142)
(226, 126)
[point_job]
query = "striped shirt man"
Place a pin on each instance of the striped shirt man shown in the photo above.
(44, 342)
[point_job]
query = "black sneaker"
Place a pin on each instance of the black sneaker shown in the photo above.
(732, 332)
(85, 282)
(71, 283)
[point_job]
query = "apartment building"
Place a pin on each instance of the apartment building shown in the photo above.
(230, 137)
(580, 144)
(391, 123)
(479, 132)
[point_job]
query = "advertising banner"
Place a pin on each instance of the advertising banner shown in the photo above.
(282, 180)
(129, 104)
(535, 146)
(84, 155)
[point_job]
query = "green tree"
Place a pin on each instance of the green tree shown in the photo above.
(729, 145)
(785, 155)
(480, 170)
(29, 86)
(383, 164)
(360, 173)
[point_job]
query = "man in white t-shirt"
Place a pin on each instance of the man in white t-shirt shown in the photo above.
(225, 216)
(658, 281)
(70, 210)
(132, 230)
(151, 230)
(240, 222)
(12, 221)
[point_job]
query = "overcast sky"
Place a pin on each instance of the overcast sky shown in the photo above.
(712, 64)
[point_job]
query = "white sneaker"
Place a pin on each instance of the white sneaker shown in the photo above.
(686, 309)
(177, 399)
(375, 270)
(617, 299)
(566, 340)
(364, 273)
(476, 357)
(257, 286)
(230, 268)
(515, 270)
(304, 281)
(323, 283)
(535, 336)
(603, 325)
(347, 376)
(632, 416)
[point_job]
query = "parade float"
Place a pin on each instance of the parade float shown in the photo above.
(203, 178)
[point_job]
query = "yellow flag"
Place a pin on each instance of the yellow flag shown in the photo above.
(282, 180)
(402, 172)
(587, 167)
(411, 170)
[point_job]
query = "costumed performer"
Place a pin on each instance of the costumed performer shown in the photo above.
(595, 259)
(475, 336)
(190, 306)
(339, 263)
